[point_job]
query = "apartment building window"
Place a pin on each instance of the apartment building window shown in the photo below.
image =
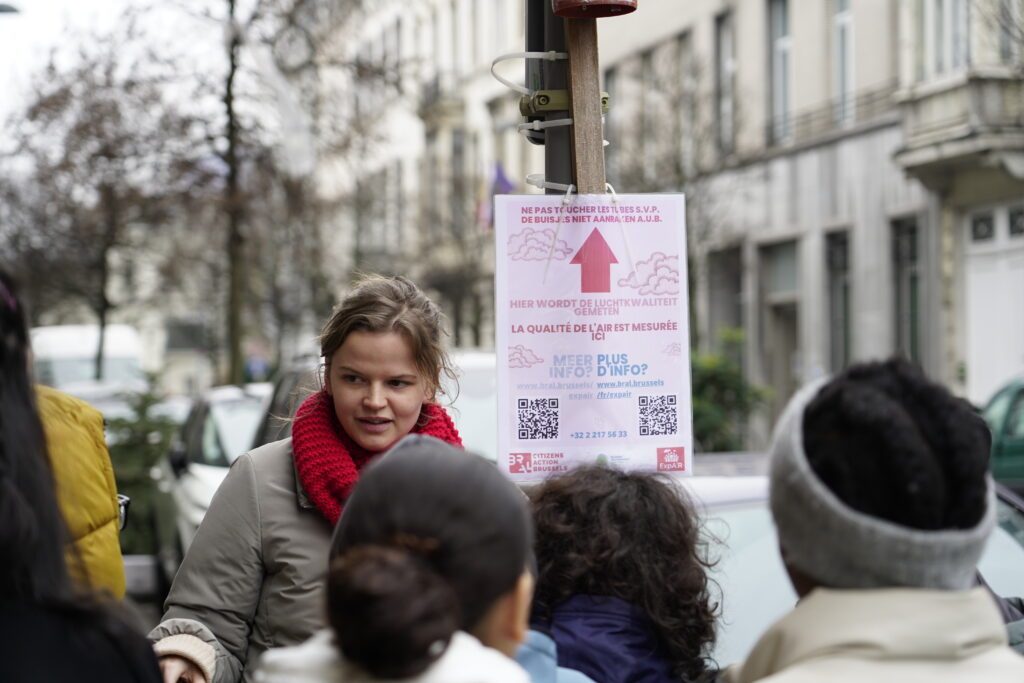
(837, 260)
(459, 182)
(687, 114)
(435, 35)
(1011, 25)
(907, 287)
(943, 36)
(983, 227)
(842, 59)
(500, 13)
(780, 43)
(725, 81)
(611, 125)
(474, 31)
(1017, 222)
(649, 120)
(454, 37)
(399, 204)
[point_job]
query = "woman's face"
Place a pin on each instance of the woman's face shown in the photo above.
(376, 388)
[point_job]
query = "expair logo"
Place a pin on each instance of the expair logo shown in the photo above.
(672, 459)
(520, 463)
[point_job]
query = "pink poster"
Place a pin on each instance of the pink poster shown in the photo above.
(592, 334)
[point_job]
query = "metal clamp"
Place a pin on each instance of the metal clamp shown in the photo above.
(546, 101)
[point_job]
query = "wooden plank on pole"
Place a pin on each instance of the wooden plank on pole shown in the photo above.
(585, 106)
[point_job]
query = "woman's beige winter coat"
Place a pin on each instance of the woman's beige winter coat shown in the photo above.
(885, 636)
(254, 576)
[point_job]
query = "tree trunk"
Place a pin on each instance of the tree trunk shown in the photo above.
(235, 240)
(101, 305)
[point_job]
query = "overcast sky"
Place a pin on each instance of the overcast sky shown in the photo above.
(26, 38)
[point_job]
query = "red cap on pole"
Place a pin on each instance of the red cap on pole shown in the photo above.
(591, 9)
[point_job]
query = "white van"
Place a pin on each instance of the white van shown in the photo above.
(65, 358)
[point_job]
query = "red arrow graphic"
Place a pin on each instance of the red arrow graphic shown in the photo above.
(595, 258)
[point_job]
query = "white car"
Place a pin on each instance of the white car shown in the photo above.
(220, 427)
(750, 580)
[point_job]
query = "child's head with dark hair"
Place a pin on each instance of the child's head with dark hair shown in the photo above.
(631, 536)
(879, 478)
(432, 541)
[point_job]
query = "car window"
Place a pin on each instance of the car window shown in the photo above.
(1002, 565)
(291, 390)
(191, 431)
(211, 452)
(235, 424)
(1015, 419)
(995, 411)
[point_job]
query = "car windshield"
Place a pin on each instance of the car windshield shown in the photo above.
(754, 591)
(60, 372)
(995, 411)
(236, 423)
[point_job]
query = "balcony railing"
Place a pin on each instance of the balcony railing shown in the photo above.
(836, 115)
(437, 91)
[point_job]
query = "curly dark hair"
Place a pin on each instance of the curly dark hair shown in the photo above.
(632, 536)
(894, 445)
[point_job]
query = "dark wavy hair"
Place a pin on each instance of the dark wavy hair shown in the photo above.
(892, 444)
(34, 541)
(431, 537)
(632, 536)
(32, 531)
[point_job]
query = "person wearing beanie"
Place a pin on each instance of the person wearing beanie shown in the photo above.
(880, 491)
(253, 578)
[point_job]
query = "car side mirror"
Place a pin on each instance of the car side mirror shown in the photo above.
(178, 459)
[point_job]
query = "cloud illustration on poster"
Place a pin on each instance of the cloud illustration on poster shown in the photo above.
(658, 275)
(521, 357)
(674, 349)
(535, 245)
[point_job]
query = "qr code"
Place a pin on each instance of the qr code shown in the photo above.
(658, 415)
(538, 418)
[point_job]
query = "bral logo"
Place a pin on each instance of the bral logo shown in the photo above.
(672, 459)
(520, 463)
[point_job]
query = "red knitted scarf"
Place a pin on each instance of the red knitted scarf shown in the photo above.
(328, 461)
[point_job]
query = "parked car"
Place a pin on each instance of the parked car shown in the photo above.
(750, 579)
(1005, 416)
(473, 402)
(294, 383)
(220, 427)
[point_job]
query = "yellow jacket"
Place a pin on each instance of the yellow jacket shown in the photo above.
(86, 489)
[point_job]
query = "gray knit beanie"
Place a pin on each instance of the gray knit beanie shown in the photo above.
(843, 548)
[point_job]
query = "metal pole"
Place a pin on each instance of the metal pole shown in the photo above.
(558, 146)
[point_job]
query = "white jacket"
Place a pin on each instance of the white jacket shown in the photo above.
(318, 661)
(885, 636)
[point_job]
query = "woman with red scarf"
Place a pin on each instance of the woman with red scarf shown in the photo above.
(253, 578)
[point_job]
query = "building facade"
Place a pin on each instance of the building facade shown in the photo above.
(853, 170)
(440, 141)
